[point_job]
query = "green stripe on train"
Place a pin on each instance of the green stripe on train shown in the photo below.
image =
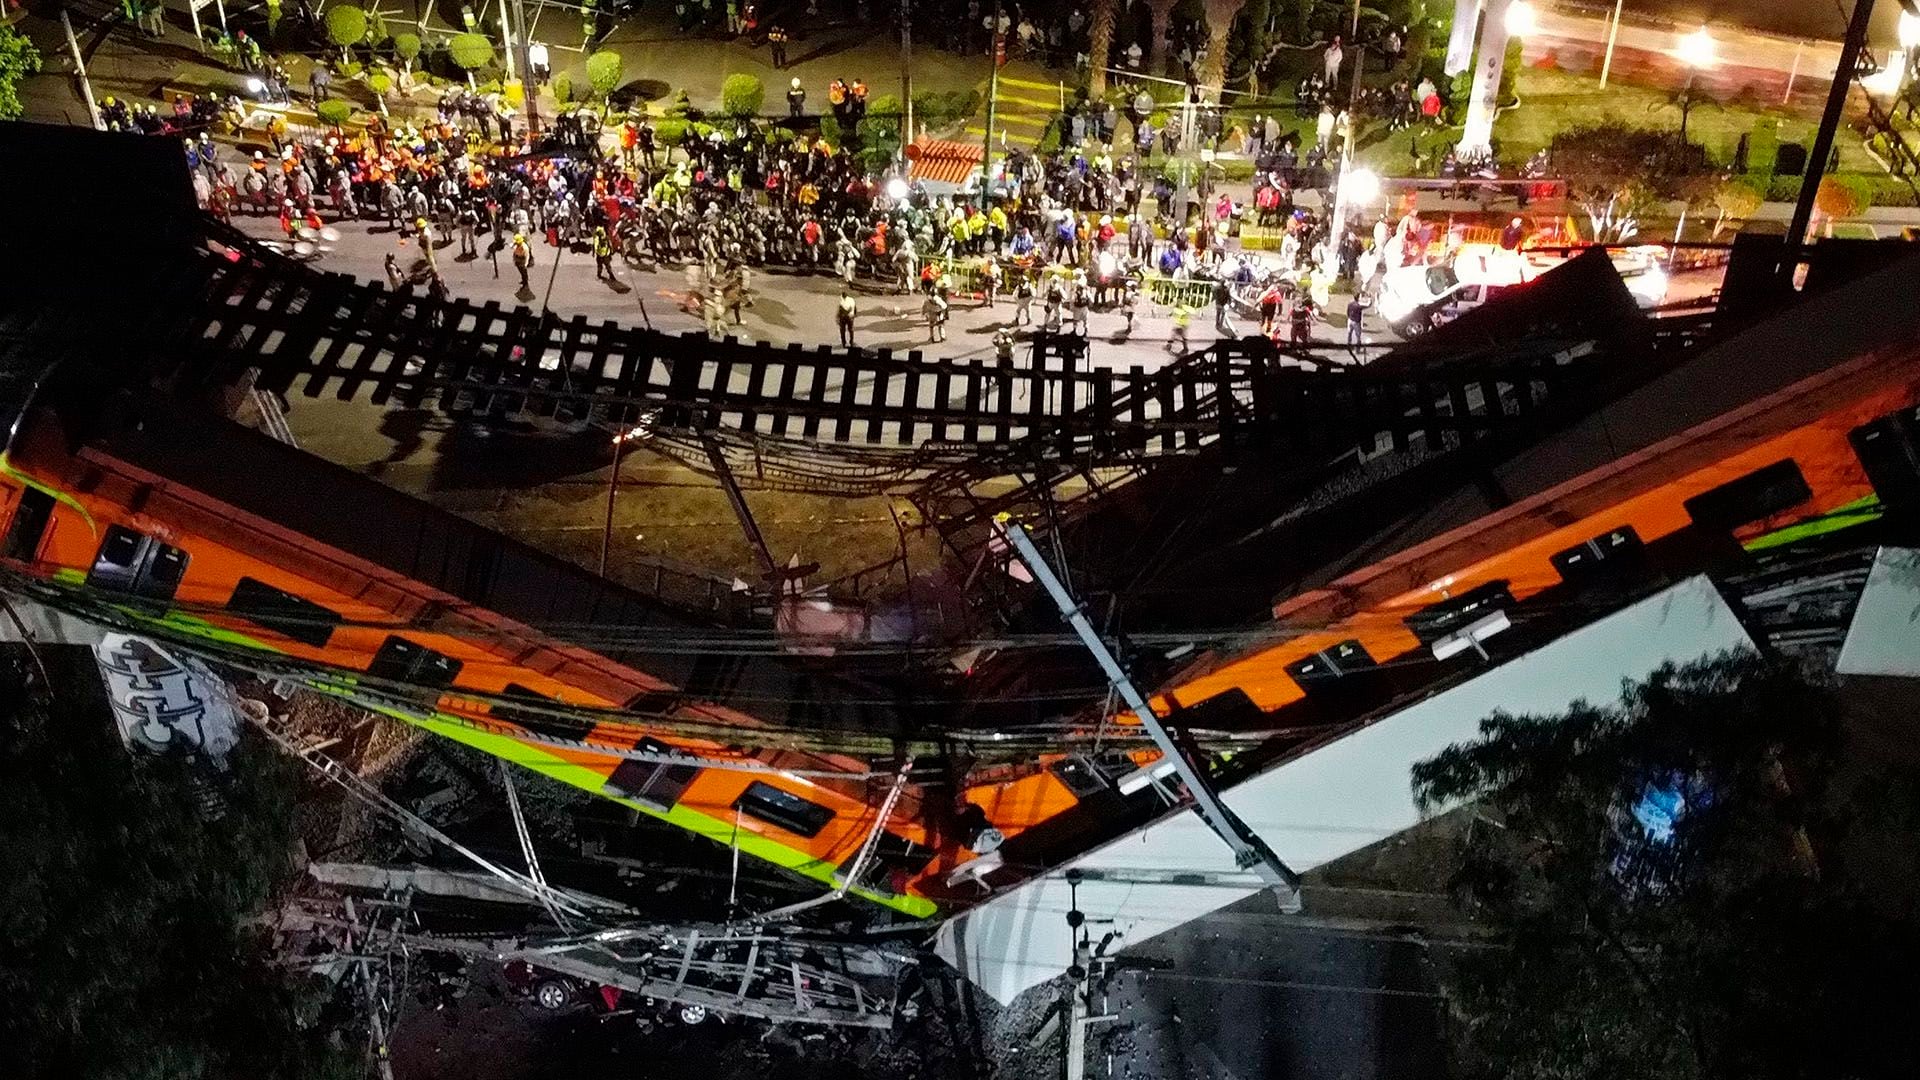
(1857, 512)
(538, 759)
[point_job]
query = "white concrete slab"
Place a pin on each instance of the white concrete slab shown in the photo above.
(1884, 636)
(1342, 797)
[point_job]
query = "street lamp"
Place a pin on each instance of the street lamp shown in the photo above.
(1696, 50)
(1362, 187)
(1520, 19)
(1909, 30)
(1886, 82)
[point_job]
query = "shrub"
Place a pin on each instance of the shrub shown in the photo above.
(1763, 147)
(380, 82)
(604, 70)
(681, 105)
(1510, 73)
(516, 92)
(406, 48)
(1842, 196)
(346, 25)
(669, 132)
(333, 111)
(470, 52)
(741, 95)
(563, 88)
(941, 108)
(1737, 200)
(830, 130)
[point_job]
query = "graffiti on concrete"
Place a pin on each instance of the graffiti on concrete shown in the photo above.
(166, 702)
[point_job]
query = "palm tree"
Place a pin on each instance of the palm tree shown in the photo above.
(1162, 12)
(1099, 44)
(1220, 16)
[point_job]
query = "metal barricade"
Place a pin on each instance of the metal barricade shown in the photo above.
(1166, 291)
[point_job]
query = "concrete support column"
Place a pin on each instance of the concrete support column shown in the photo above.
(1466, 21)
(1485, 100)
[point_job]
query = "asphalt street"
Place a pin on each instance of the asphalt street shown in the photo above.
(789, 307)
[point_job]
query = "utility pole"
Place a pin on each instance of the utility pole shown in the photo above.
(1613, 34)
(530, 87)
(80, 69)
(994, 46)
(906, 71)
(1249, 851)
(1823, 141)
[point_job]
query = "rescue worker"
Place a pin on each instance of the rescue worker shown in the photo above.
(844, 316)
(602, 254)
(1182, 316)
(935, 310)
(1003, 344)
(989, 283)
(522, 257)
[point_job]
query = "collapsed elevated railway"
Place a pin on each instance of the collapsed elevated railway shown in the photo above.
(1298, 551)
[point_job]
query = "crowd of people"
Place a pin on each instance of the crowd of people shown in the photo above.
(1064, 232)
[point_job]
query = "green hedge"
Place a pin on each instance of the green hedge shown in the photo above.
(942, 108)
(1763, 147)
(1880, 189)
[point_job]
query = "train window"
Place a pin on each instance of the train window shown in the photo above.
(783, 808)
(1757, 495)
(652, 701)
(30, 519)
(130, 562)
(1889, 450)
(276, 609)
(658, 784)
(715, 676)
(1086, 776)
(1435, 621)
(407, 662)
(1329, 664)
(1605, 554)
(529, 718)
(895, 861)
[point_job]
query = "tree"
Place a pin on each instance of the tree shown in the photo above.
(604, 71)
(1617, 173)
(1735, 200)
(1672, 890)
(1220, 16)
(742, 95)
(1099, 45)
(333, 112)
(563, 88)
(18, 59)
(470, 52)
(1840, 197)
(1161, 13)
(346, 27)
(131, 919)
(406, 46)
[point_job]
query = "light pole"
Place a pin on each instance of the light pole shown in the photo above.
(1696, 51)
(906, 72)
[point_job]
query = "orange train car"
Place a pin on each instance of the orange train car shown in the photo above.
(291, 557)
(1809, 459)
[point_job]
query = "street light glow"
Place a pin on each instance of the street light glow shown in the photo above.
(1887, 81)
(1521, 19)
(1909, 30)
(896, 189)
(1362, 186)
(1696, 49)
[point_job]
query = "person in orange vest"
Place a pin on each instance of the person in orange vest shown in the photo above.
(629, 141)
